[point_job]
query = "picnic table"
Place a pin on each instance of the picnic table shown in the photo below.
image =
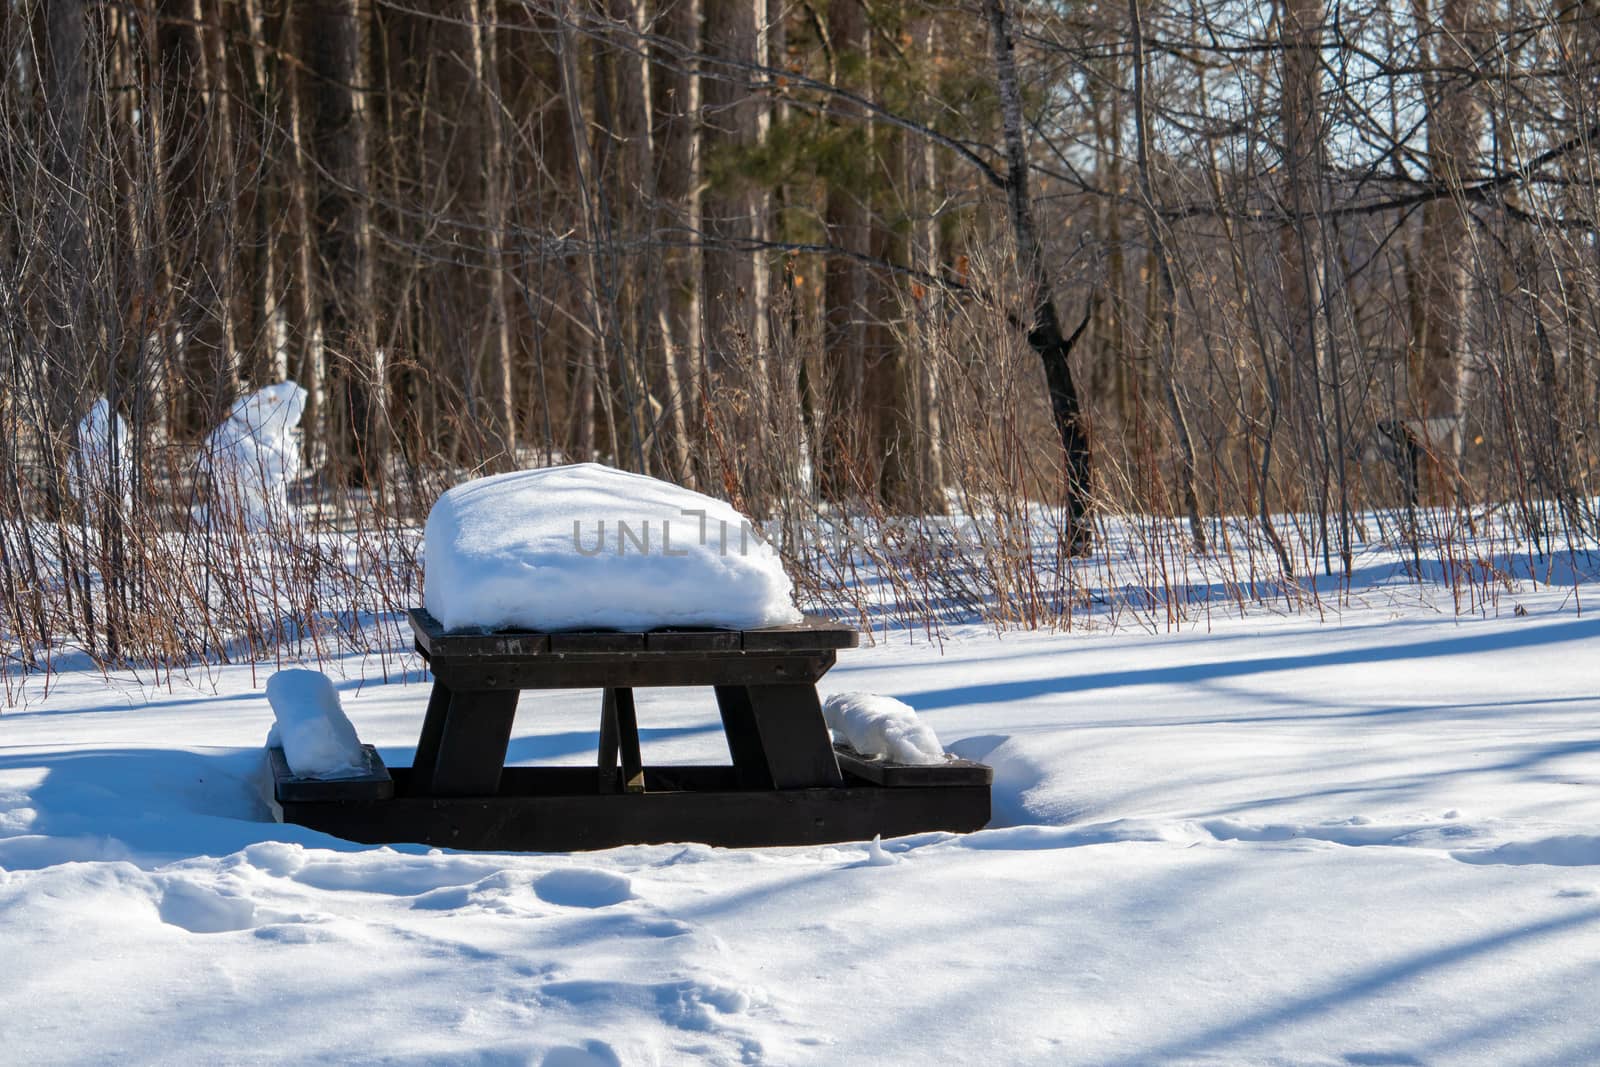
(787, 783)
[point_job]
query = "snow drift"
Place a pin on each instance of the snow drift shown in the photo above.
(589, 547)
(882, 727)
(317, 738)
(101, 468)
(255, 454)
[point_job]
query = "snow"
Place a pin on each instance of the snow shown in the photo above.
(589, 547)
(317, 738)
(255, 455)
(882, 728)
(1367, 841)
(101, 467)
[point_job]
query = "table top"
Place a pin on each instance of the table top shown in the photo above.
(813, 634)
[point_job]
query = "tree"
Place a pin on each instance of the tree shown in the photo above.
(1455, 125)
(675, 104)
(840, 449)
(1045, 333)
(498, 352)
(1165, 320)
(734, 286)
(66, 73)
(335, 40)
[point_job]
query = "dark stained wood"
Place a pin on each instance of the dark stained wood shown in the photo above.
(628, 738)
(610, 742)
(744, 740)
(432, 730)
(289, 787)
(596, 641)
(433, 640)
(472, 747)
(814, 633)
(794, 736)
(565, 781)
(619, 736)
(546, 817)
(896, 775)
(632, 670)
(693, 641)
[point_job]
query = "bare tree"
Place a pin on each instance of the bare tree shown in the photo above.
(732, 217)
(335, 38)
(1455, 127)
(675, 94)
(1045, 333)
(499, 356)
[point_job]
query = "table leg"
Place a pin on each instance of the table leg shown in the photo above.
(744, 739)
(428, 744)
(619, 733)
(777, 736)
(609, 743)
(469, 751)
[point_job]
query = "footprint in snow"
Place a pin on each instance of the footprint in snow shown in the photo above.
(683, 1003)
(1382, 1058)
(580, 888)
(494, 893)
(295, 932)
(593, 1053)
(200, 910)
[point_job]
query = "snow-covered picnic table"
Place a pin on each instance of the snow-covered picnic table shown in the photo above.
(521, 596)
(787, 783)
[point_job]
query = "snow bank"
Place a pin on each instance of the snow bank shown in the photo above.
(589, 547)
(882, 727)
(317, 738)
(254, 455)
(102, 463)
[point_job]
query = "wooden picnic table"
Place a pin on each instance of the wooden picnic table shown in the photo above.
(787, 782)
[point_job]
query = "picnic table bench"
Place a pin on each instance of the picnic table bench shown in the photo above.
(787, 782)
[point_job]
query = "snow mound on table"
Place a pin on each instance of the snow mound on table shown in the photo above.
(317, 738)
(882, 727)
(590, 547)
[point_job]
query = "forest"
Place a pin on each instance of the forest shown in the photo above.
(1245, 283)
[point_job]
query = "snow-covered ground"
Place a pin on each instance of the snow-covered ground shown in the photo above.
(1371, 840)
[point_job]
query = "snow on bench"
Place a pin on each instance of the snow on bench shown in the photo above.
(316, 736)
(879, 727)
(588, 547)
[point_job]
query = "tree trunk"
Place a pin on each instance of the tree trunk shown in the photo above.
(601, 306)
(676, 102)
(266, 285)
(222, 233)
(1455, 125)
(926, 443)
(199, 141)
(644, 352)
(66, 83)
(843, 444)
(310, 368)
(1300, 241)
(335, 39)
(1165, 321)
(734, 273)
(1045, 335)
(497, 355)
